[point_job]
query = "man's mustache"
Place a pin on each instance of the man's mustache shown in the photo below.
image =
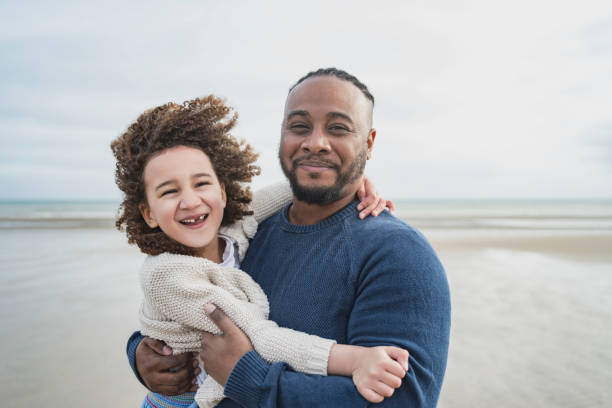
(315, 158)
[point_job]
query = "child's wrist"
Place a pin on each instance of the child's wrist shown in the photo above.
(357, 354)
(343, 359)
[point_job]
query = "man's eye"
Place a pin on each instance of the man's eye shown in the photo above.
(298, 127)
(338, 128)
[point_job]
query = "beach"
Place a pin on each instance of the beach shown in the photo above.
(530, 288)
(530, 323)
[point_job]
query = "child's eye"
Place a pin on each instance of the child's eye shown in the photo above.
(166, 192)
(202, 183)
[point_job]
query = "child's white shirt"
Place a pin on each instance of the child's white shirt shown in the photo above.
(229, 258)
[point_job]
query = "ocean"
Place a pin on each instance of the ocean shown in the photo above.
(550, 215)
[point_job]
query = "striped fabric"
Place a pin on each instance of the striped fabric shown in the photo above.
(153, 400)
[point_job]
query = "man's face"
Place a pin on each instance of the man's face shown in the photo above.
(326, 138)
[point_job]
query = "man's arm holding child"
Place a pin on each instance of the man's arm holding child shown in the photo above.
(402, 301)
(376, 371)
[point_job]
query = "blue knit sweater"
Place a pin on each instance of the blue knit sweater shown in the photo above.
(364, 282)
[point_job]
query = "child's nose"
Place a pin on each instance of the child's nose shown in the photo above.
(189, 199)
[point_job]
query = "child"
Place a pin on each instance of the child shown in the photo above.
(182, 174)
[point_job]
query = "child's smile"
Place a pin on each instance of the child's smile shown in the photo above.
(185, 199)
(195, 221)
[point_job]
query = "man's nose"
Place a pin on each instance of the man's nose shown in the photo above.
(316, 142)
(189, 199)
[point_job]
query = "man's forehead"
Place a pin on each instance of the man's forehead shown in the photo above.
(327, 92)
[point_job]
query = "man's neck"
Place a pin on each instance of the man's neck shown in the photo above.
(302, 213)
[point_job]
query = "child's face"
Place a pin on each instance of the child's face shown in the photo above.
(184, 198)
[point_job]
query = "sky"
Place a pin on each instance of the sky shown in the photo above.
(474, 99)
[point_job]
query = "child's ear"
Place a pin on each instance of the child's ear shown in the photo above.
(223, 195)
(147, 216)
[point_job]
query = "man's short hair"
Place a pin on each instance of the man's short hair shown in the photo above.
(338, 73)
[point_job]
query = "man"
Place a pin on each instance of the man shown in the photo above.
(364, 282)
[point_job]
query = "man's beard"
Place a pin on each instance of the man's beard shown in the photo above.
(330, 194)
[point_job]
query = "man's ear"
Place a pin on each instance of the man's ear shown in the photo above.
(370, 141)
(147, 216)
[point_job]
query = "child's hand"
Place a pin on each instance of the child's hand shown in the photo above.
(379, 371)
(370, 202)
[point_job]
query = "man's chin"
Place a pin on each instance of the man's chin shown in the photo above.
(316, 193)
(315, 181)
(316, 178)
(316, 184)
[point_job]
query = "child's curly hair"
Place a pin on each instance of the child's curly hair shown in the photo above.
(203, 123)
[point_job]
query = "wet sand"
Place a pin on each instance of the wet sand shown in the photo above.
(531, 323)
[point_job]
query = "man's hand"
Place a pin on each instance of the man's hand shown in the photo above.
(163, 372)
(221, 352)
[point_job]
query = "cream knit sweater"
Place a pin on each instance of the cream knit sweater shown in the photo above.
(176, 288)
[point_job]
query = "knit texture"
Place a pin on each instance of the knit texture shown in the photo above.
(177, 287)
(153, 400)
(363, 282)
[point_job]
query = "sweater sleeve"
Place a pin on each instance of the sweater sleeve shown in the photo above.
(303, 352)
(130, 350)
(181, 289)
(410, 295)
(266, 202)
(270, 200)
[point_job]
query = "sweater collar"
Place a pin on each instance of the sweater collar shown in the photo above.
(350, 210)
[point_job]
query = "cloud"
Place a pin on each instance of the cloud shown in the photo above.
(474, 98)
